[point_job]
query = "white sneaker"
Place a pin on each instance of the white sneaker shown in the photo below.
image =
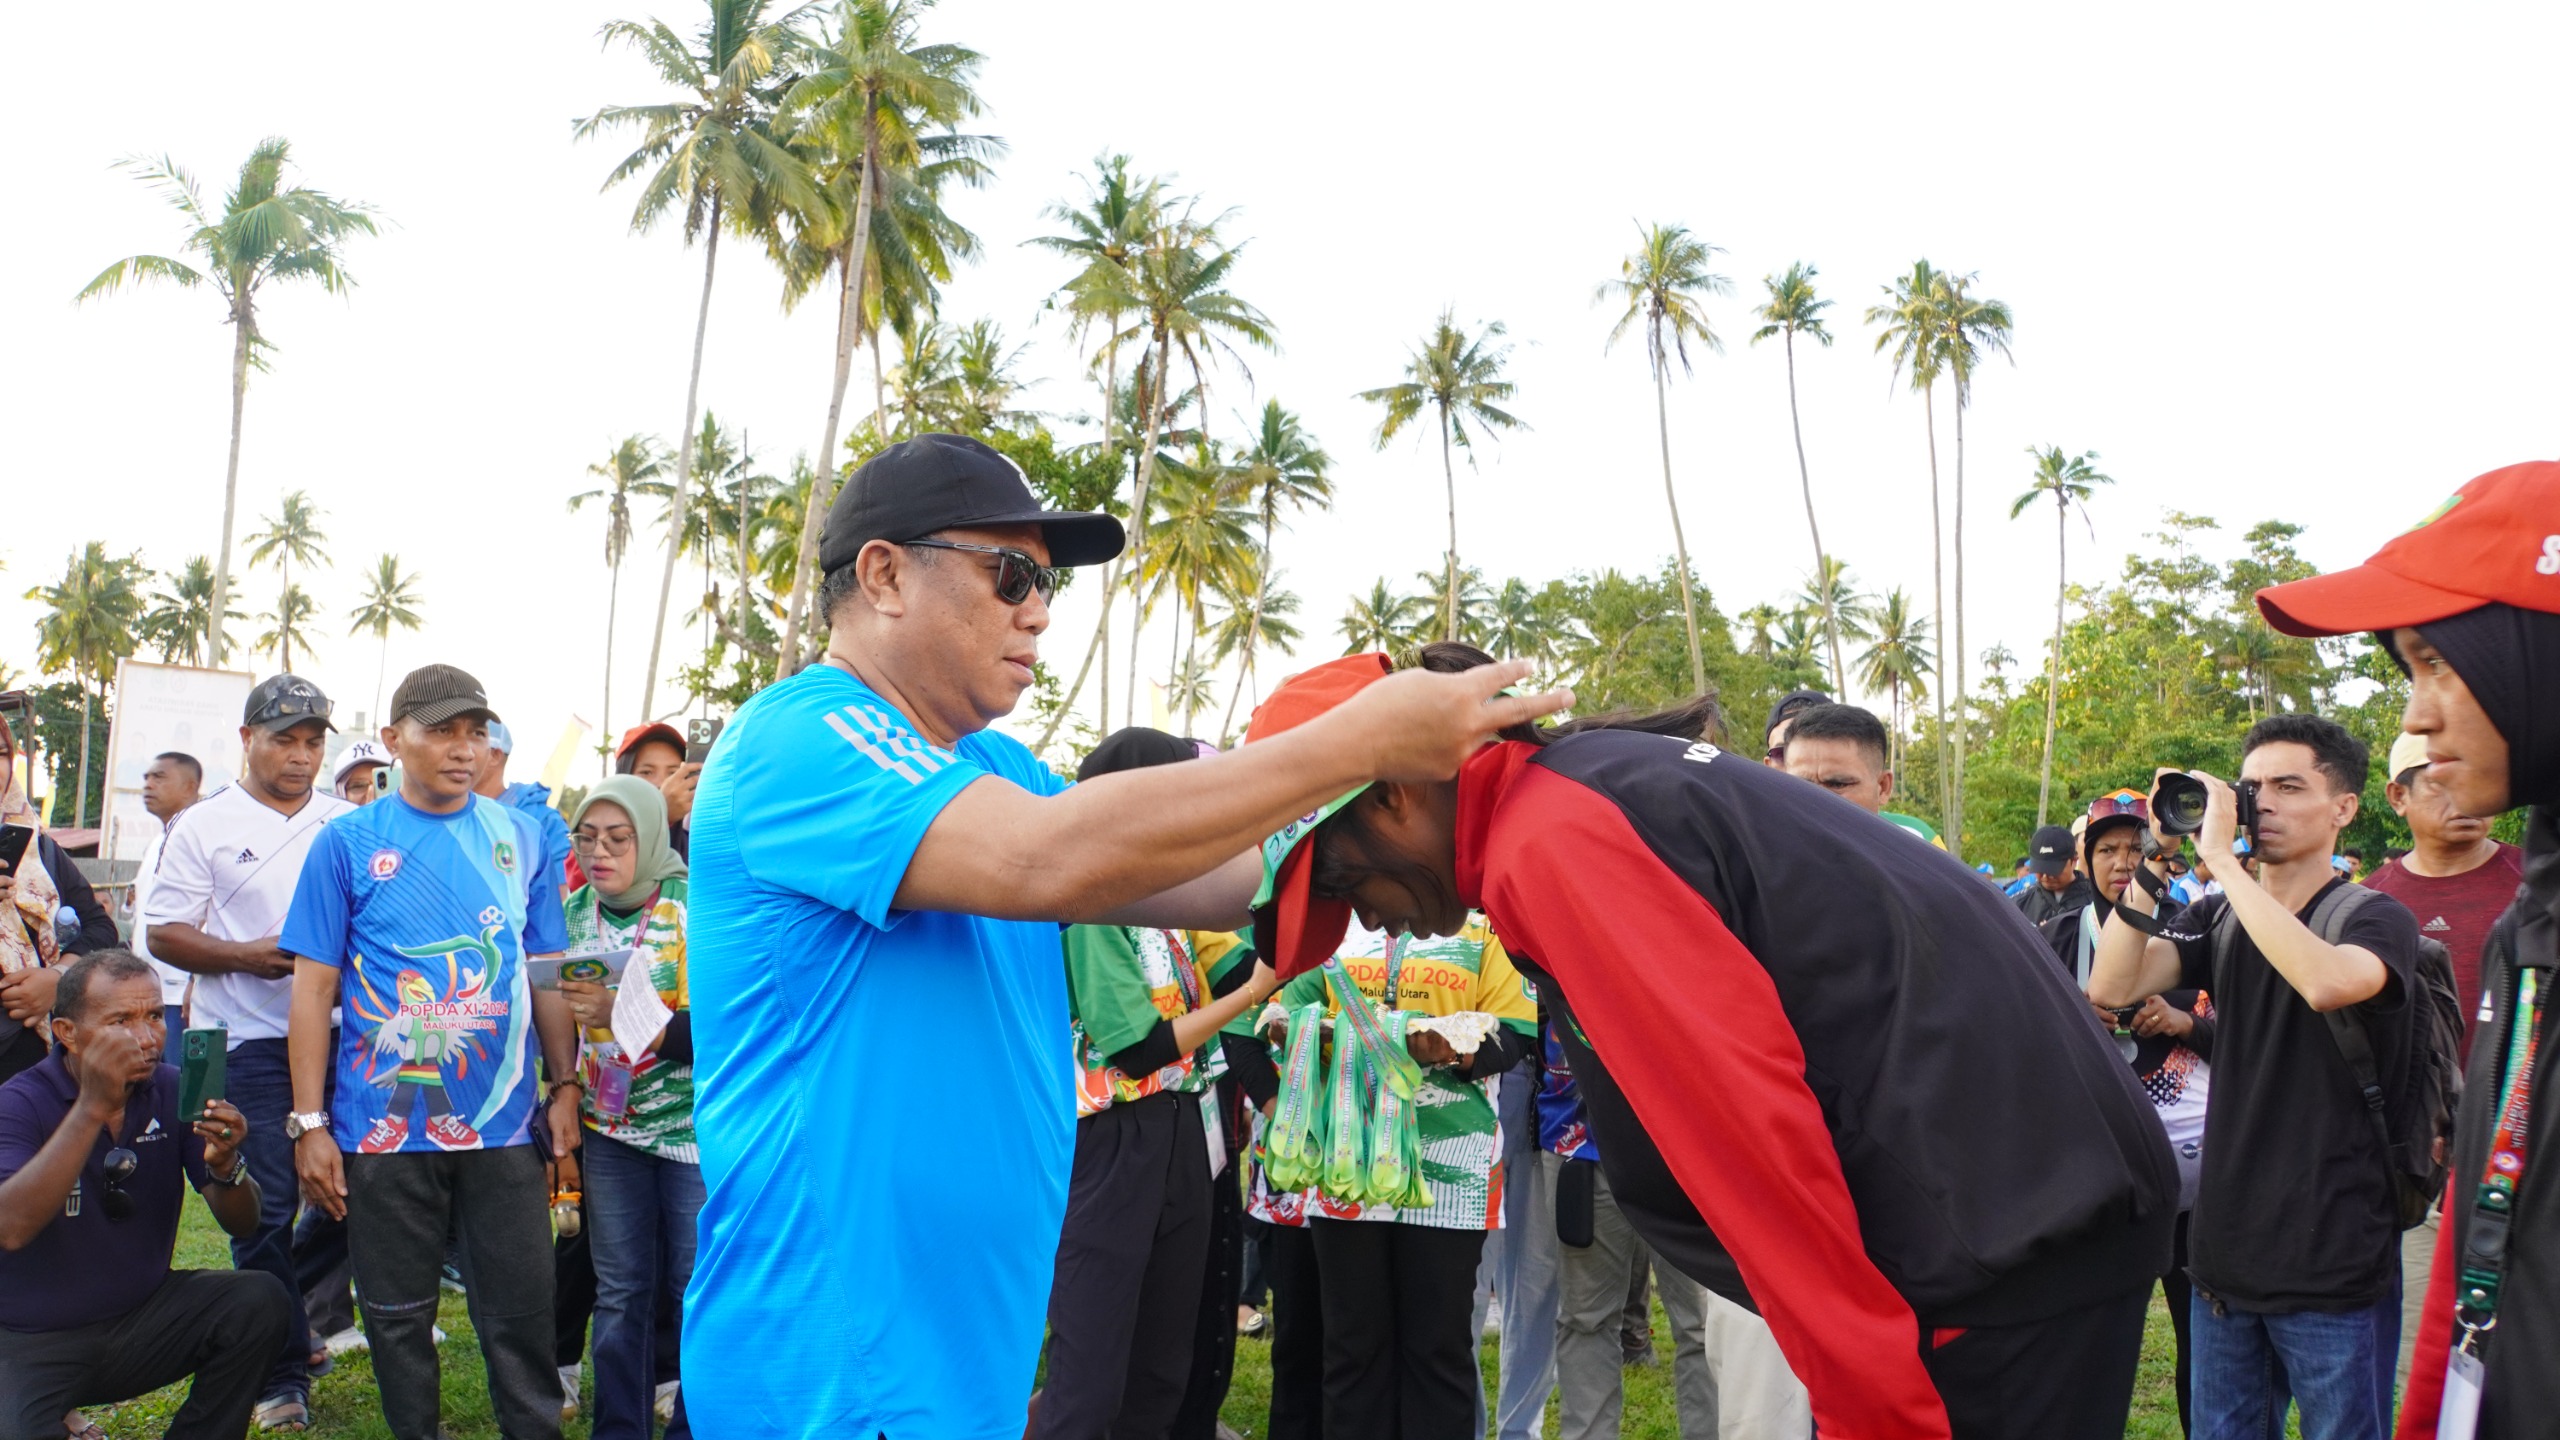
(346, 1342)
(568, 1391)
(666, 1405)
(439, 1333)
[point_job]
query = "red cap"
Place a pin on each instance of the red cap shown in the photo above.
(1293, 929)
(638, 735)
(2496, 541)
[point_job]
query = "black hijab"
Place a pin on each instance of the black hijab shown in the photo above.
(2510, 660)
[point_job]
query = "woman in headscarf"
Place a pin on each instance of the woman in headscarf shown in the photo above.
(2468, 603)
(28, 945)
(643, 1177)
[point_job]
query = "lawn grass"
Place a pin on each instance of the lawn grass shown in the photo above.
(344, 1406)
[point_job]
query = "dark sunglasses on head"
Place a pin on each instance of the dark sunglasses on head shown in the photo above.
(1017, 573)
(2122, 802)
(119, 1167)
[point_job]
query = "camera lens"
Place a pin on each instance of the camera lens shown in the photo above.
(2177, 804)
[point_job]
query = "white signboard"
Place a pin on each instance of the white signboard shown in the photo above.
(161, 708)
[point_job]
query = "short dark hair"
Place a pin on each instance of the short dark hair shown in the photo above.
(2352, 853)
(833, 589)
(98, 967)
(185, 762)
(2335, 751)
(1852, 723)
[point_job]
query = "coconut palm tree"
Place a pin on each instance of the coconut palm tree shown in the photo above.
(633, 465)
(1265, 616)
(88, 626)
(1974, 329)
(1281, 467)
(1833, 598)
(926, 379)
(1517, 627)
(2069, 480)
(1763, 619)
(1794, 309)
(1664, 284)
(1121, 211)
(1911, 325)
(1459, 378)
(869, 95)
(291, 534)
(288, 625)
(1381, 620)
(390, 598)
(1899, 661)
(266, 231)
(1203, 539)
(180, 619)
(711, 154)
(1179, 297)
(984, 379)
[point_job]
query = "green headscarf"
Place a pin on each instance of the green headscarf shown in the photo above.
(654, 858)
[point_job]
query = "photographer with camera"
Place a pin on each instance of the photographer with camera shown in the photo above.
(2295, 1234)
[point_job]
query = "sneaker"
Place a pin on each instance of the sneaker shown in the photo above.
(386, 1136)
(568, 1392)
(349, 1340)
(439, 1333)
(449, 1277)
(451, 1133)
(666, 1403)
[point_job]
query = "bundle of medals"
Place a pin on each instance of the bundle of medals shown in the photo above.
(1348, 1128)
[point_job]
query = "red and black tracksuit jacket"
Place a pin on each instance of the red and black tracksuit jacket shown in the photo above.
(1834, 1074)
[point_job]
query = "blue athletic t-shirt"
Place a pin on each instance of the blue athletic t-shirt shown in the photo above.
(884, 1099)
(428, 919)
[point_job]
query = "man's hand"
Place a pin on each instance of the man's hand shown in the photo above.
(1422, 726)
(590, 1002)
(323, 1172)
(222, 1129)
(2221, 820)
(2159, 1017)
(1431, 1048)
(110, 1066)
(27, 996)
(561, 1112)
(678, 790)
(265, 961)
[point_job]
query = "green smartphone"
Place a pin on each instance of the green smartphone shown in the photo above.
(200, 1073)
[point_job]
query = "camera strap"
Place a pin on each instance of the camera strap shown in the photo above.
(2153, 886)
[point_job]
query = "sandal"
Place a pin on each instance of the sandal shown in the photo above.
(282, 1413)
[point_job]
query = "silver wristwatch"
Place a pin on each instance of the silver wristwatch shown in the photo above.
(303, 1123)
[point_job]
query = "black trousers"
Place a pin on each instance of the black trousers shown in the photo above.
(1399, 1346)
(1213, 1337)
(2180, 1291)
(1126, 1296)
(1297, 1333)
(400, 1208)
(220, 1326)
(2067, 1378)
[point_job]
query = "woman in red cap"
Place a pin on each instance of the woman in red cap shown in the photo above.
(2468, 603)
(1832, 1075)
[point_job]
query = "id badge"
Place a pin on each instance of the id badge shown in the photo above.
(1217, 1129)
(2459, 1417)
(612, 1088)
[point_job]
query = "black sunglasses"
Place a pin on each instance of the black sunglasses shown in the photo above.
(120, 1165)
(1017, 573)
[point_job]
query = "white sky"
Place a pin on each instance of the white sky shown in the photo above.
(2281, 262)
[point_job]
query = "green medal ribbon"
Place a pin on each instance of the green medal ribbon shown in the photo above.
(1294, 1141)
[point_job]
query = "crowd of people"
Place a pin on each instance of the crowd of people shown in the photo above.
(867, 1077)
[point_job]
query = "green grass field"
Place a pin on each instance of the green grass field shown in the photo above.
(344, 1406)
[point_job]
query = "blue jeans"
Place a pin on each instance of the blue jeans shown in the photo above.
(260, 1082)
(2335, 1365)
(640, 1213)
(1527, 1278)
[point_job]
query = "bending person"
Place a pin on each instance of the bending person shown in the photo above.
(1832, 1075)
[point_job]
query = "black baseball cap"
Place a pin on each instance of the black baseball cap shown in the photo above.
(281, 702)
(1788, 704)
(433, 694)
(943, 482)
(2050, 853)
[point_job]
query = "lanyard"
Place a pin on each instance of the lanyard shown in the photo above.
(1395, 967)
(2484, 1249)
(1186, 975)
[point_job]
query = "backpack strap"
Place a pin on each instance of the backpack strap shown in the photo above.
(2355, 1043)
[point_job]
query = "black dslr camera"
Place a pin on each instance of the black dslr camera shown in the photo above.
(2178, 805)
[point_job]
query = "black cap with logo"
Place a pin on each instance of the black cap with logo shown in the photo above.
(433, 694)
(281, 702)
(1788, 704)
(943, 482)
(2050, 854)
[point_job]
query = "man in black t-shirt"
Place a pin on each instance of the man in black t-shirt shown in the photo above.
(2294, 1243)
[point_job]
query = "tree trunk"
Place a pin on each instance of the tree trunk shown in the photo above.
(1679, 542)
(230, 481)
(1830, 617)
(1955, 831)
(612, 610)
(382, 665)
(1937, 599)
(1449, 476)
(879, 389)
(1253, 625)
(1101, 641)
(1149, 388)
(684, 468)
(744, 489)
(822, 486)
(80, 783)
(2053, 668)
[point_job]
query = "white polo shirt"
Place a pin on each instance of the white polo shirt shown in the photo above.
(173, 981)
(228, 867)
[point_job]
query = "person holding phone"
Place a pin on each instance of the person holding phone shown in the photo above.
(642, 1174)
(658, 754)
(93, 1154)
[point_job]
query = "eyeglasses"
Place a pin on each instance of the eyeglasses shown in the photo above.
(1017, 572)
(2122, 802)
(120, 1165)
(616, 842)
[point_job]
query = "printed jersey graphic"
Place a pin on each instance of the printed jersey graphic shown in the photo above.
(429, 922)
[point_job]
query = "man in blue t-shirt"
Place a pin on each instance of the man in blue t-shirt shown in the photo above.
(417, 918)
(883, 1075)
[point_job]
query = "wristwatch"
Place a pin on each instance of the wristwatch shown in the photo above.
(302, 1123)
(239, 1172)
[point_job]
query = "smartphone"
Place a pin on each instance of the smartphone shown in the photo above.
(699, 736)
(201, 1071)
(14, 840)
